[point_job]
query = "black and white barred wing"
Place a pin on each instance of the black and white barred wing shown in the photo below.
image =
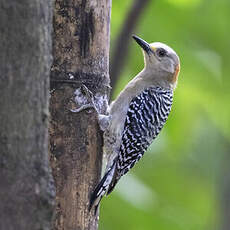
(145, 118)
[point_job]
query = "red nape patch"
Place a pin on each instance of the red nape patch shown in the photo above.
(175, 75)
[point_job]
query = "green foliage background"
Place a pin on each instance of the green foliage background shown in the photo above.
(180, 182)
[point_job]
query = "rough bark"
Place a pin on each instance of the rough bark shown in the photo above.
(120, 50)
(81, 54)
(26, 190)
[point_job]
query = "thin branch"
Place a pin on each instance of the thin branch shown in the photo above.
(120, 50)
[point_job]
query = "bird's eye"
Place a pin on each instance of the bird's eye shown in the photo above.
(161, 52)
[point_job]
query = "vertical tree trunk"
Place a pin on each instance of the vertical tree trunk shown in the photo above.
(81, 54)
(26, 190)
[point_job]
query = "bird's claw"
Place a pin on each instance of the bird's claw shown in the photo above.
(83, 107)
(85, 91)
(84, 98)
(86, 101)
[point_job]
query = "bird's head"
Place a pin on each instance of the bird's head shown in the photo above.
(161, 61)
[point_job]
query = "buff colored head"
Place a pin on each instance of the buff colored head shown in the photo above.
(161, 60)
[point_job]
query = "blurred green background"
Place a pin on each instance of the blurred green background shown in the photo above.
(183, 181)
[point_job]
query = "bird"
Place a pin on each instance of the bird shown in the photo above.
(137, 115)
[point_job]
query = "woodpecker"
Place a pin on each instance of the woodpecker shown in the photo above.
(138, 114)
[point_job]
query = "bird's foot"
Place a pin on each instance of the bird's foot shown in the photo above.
(85, 99)
(83, 107)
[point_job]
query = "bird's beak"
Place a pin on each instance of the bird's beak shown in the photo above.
(143, 44)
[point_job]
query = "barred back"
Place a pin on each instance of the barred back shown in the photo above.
(145, 118)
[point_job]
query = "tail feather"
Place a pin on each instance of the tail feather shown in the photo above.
(102, 187)
(112, 185)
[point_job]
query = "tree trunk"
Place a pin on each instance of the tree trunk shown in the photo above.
(26, 189)
(81, 54)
